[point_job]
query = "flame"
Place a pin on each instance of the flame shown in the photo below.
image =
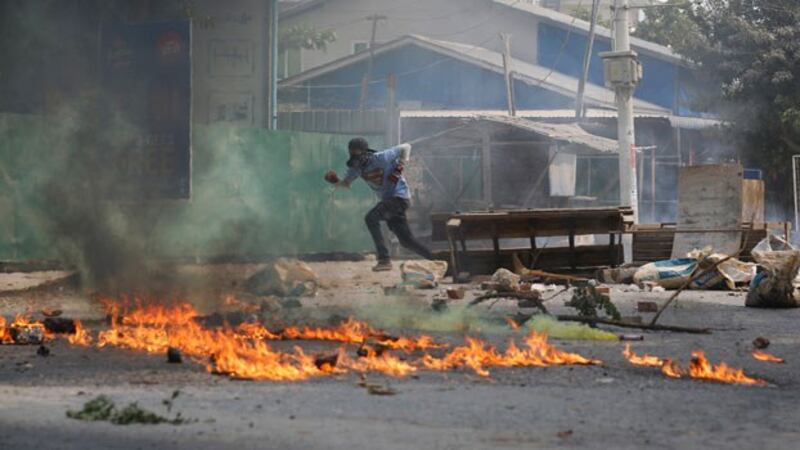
(671, 369)
(764, 356)
(350, 331)
(478, 355)
(645, 360)
(81, 336)
(701, 368)
(512, 323)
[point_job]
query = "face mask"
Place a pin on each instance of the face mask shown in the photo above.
(359, 161)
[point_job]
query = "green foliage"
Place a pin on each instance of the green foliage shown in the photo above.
(672, 26)
(588, 301)
(585, 13)
(306, 37)
(102, 408)
(748, 61)
(99, 408)
(746, 56)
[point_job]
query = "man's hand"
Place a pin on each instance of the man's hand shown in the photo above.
(331, 177)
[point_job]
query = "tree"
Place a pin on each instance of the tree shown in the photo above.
(748, 60)
(672, 26)
(306, 37)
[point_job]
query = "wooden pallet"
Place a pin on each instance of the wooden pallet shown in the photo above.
(653, 242)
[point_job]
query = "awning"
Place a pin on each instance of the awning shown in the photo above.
(566, 133)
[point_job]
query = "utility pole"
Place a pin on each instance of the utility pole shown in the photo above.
(623, 72)
(362, 102)
(272, 95)
(512, 107)
(587, 58)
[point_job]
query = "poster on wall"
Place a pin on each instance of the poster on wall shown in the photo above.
(146, 82)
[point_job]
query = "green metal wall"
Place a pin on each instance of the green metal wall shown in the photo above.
(254, 193)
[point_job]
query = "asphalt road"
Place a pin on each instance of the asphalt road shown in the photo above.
(614, 405)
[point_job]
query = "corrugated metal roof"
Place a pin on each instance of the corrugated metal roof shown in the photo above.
(566, 20)
(568, 133)
(528, 73)
(686, 123)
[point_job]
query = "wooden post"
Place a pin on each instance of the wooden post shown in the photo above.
(391, 111)
(452, 227)
(486, 161)
(362, 103)
(653, 185)
(512, 107)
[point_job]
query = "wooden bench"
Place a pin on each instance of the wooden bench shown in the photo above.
(459, 228)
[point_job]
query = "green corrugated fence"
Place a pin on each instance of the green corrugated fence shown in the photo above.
(254, 193)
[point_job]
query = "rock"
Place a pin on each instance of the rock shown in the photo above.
(285, 277)
(291, 303)
(43, 351)
(506, 280)
(456, 293)
(647, 307)
(174, 356)
(761, 342)
(439, 304)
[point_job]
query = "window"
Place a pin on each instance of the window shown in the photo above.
(290, 62)
(360, 46)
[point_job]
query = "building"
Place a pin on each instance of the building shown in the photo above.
(539, 36)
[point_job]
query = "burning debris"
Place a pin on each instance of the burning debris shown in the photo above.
(699, 368)
(767, 357)
(243, 351)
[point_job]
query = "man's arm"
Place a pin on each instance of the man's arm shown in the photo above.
(400, 152)
(405, 152)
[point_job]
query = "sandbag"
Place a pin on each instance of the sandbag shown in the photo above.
(777, 282)
(669, 274)
(423, 273)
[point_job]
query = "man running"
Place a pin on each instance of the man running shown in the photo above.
(383, 172)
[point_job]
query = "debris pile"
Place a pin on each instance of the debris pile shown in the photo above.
(777, 282)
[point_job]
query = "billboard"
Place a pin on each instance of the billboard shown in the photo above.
(146, 81)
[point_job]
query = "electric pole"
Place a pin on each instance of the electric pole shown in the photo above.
(362, 103)
(512, 106)
(623, 72)
(587, 58)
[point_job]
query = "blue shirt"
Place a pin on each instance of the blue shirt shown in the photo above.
(376, 174)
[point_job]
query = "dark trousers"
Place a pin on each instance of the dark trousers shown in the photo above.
(393, 212)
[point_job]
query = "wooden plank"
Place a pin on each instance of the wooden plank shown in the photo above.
(709, 197)
(588, 256)
(753, 201)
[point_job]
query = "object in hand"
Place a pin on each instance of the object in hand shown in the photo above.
(331, 177)
(396, 174)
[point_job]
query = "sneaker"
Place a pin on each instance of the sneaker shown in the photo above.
(382, 266)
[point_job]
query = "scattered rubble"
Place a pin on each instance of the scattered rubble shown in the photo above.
(456, 293)
(284, 278)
